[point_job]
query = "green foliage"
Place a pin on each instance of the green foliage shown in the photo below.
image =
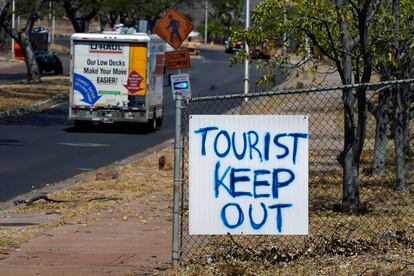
(223, 18)
(131, 11)
(288, 23)
(393, 43)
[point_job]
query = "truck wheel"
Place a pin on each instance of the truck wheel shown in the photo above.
(152, 125)
(159, 121)
(58, 69)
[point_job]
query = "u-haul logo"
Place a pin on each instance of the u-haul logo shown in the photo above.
(102, 48)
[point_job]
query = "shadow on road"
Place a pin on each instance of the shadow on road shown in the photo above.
(51, 117)
(11, 143)
(57, 117)
(116, 128)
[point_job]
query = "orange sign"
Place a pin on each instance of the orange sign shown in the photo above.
(173, 28)
(177, 59)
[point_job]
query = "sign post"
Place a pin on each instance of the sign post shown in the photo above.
(177, 183)
(174, 28)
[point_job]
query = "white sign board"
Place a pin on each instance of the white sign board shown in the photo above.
(248, 174)
(181, 84)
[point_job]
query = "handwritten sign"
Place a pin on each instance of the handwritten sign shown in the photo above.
(248, 174)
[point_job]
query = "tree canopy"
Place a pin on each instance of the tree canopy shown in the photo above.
(357, 37)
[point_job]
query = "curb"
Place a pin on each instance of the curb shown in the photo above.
(37, 107)
(10, 64)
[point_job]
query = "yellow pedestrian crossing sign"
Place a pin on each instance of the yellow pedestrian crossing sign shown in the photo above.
(173, 28)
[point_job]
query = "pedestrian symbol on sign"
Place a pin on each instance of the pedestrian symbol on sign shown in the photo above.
(175, 26)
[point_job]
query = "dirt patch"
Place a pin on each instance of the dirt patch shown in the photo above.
(23, 93)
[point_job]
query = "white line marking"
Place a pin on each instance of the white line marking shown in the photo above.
(84, 144)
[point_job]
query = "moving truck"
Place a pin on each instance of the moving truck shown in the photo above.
(116, 78)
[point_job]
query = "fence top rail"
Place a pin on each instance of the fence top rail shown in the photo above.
(323, 88)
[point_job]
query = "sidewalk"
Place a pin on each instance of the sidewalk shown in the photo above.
(6, 60)
(133, 239)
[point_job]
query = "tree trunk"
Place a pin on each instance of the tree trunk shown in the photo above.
(103, 20)
(350, 191)
(151, 23)
(401, 118)
(113, 18)
(23, 39)
(3, 39)
(381, 139)
(348, 158)
(85, 25)
(400, 132)
(80, 22)
(33, 72)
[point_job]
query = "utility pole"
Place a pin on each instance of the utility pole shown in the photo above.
(53, 26)
(206, 22)
(49, 24)
(13, 26)
(246, 47)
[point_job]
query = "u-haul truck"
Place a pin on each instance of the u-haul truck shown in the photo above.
(116, 78)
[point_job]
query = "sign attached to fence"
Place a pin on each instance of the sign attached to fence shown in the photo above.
(248, 174)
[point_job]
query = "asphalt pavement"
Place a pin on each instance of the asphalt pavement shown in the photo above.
(44, 147)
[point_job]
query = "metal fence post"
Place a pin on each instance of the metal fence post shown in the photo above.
(177, 182)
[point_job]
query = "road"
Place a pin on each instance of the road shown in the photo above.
(44, 147)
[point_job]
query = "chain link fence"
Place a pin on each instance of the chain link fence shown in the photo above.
(385, 207)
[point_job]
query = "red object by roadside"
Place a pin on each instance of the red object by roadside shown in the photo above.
(18, 53)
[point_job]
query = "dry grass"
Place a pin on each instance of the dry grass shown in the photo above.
(26, 93)
(89, 195)
(392, 263)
